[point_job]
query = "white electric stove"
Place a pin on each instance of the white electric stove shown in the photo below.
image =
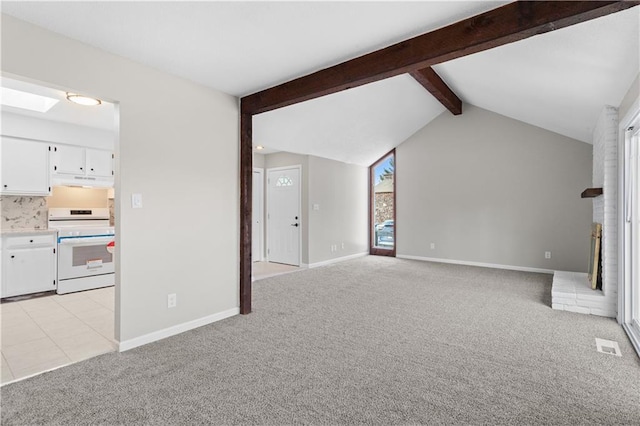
(85, 248)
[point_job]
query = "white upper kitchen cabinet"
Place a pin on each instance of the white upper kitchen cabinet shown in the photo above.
(68, 159)
(99, 162)
(77, 165)
(25, 167)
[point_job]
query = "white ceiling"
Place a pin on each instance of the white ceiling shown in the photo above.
(558, 81)
(99, 116)
(355, 126)
(241, 47)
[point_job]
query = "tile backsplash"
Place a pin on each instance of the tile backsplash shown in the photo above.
(111, 212)
(23, 212)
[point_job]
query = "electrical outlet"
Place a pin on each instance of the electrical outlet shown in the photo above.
(547, 255)
(433, 246)
(171, 300)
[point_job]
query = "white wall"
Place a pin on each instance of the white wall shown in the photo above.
(178, 147)
(258, 160)
(341, 192)
(489, 189)
(631, 96)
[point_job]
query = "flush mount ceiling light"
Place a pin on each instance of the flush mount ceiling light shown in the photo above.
(83, 100)
(259, 147)
(24, 100)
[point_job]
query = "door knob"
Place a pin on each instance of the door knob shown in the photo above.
(294, 224)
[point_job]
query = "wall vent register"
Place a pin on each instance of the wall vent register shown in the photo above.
(608, 347)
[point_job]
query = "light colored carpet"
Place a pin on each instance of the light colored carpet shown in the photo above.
(370, 341)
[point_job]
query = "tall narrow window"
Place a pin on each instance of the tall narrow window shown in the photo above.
(383, 206)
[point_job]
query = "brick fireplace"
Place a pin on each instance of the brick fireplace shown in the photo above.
(572, 291)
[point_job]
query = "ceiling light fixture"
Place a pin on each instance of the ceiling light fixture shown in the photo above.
(83, 100)
(259, 147)
(25, 100)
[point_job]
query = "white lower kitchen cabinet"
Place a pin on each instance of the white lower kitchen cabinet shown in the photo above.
(28, 263)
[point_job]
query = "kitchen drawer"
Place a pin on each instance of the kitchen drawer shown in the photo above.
(29, 241)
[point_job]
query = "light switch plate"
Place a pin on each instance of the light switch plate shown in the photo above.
(136, 201)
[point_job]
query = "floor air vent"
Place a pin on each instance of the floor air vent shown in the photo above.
(608, 347)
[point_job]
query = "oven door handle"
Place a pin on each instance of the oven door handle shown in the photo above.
(84, 241)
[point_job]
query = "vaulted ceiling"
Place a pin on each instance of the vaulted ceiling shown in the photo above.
(559, 80)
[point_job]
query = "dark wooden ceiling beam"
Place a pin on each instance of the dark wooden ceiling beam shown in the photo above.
(507, 24)
(431, 81)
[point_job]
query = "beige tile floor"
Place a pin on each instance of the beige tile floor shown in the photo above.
(268, 269)
(46, 332)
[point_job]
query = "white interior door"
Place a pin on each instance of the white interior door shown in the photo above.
(257, 213)
(284, 215)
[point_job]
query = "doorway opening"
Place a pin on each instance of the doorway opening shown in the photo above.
(382, 206)
(257, 217)
(276, 241)
(63, 307)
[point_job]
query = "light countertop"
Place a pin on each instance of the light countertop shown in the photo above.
(27, 231)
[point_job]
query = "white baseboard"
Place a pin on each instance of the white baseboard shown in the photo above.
(480, 264)
(336, 260)
(176, 329)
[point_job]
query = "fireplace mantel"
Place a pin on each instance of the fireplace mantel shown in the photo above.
(591, 192)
